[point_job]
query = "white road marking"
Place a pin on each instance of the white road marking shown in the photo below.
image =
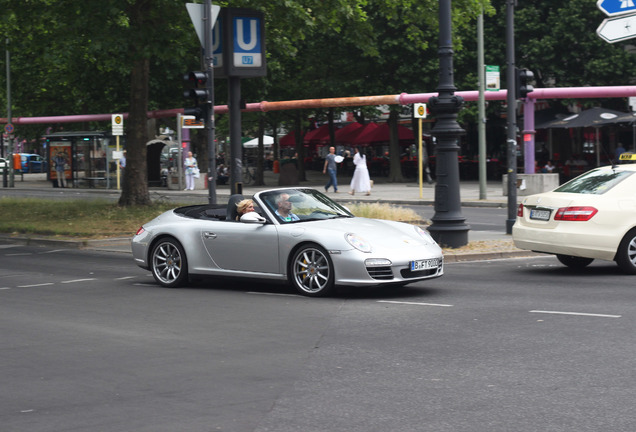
(414, 303)
(78, 280)
(576, 313)
(126, 277)
(273, 294)
(36, 285)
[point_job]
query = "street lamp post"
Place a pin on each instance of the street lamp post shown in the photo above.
(448, 228)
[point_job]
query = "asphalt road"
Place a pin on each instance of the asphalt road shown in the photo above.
(89, 342)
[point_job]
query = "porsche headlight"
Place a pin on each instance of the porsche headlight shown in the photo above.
(424, 234)
(358, 242)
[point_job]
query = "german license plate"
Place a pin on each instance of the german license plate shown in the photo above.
(425, 264)
(543, 215)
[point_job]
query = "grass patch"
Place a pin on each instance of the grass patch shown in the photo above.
(100, 218)
(74, 218)
(384, 211)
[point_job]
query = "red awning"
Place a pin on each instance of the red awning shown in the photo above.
(344, 134)
(288, 140)
(366, 135)
(316, 135)
(382, 134)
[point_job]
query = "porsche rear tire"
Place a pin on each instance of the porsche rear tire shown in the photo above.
(311, 271)
(574, 262)
(626, 254)
(168, 263)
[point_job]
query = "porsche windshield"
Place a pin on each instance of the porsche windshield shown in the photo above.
(293, 205)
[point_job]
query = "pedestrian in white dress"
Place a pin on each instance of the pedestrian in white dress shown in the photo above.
(191, 168)
(360, 182)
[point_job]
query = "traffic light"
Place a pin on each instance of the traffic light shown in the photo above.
(523, 86)
(198, 94)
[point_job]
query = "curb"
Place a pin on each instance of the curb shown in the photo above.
(487, 256)
(102, 244)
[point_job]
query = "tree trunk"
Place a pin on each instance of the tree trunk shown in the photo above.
(260, 152)
(135, 185)
(395, 172)
(300, 148)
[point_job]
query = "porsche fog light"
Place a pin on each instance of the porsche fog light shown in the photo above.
(358, 242)
(377, 262)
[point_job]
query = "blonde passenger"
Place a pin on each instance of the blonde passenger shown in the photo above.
(243, 207)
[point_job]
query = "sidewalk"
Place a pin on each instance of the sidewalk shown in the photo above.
(395, 193)
(482, 244)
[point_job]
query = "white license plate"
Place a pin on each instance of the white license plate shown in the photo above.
(543, 215)
(425, 264)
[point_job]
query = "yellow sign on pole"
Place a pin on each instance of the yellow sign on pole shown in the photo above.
(118, 130)
(419, 111)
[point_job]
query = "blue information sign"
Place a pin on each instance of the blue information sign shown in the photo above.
(616, 7)
(247, 42)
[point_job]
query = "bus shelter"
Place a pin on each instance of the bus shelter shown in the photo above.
(88, 156)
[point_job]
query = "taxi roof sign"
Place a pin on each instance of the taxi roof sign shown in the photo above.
(627, 156)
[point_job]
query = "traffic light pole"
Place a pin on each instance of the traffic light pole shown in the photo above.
(10, 120)
(208, 56)
(511, 140)
(236, 152)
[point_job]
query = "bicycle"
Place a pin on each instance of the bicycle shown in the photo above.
(249, 176)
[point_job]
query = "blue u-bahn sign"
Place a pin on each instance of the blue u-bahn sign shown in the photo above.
(616, 7)
(238, 42)
(247, 42)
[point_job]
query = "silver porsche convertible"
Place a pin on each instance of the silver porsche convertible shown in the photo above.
(297, 235)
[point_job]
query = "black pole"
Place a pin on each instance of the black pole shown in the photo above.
(208, 55)
(448, 227)
(512, 116)
(236, 151)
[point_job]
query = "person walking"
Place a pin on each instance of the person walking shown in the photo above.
(191, 169)
(360, 182)
(332, 169)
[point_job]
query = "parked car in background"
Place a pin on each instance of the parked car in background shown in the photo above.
(32, 163)
(592, 216)
(4, 164)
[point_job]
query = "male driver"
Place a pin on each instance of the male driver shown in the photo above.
(330, 165)
(284, 208)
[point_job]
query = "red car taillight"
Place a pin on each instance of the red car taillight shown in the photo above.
(575, 213)
(520, 210)
(139, 231)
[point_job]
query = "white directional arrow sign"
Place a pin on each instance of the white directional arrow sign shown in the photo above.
(617, 29)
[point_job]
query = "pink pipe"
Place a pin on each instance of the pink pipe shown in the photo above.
(402, 99)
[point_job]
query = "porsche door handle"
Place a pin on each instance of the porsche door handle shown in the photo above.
(209, 235)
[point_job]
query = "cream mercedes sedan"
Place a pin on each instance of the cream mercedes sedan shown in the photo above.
(593, 216)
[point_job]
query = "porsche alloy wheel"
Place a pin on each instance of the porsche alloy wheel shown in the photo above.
(168, 262)
(312, 271)
(626, 254)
